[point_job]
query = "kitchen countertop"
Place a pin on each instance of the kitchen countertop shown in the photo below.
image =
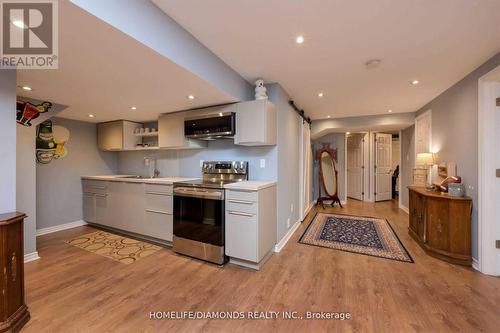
(122, 178)
(250, 185)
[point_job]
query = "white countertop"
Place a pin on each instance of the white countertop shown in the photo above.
(159, 180)
(251, 185)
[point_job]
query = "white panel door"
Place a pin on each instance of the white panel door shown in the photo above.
(355, 166)
(423, 133)
(383, 167)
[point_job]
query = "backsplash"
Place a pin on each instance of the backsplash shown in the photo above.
(186, 163)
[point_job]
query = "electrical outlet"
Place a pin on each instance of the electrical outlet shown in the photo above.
(471, 187)
(288, 223)
(262, 163)
(291, 208)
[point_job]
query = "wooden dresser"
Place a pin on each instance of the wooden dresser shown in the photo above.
(441, 224)
(13, 311)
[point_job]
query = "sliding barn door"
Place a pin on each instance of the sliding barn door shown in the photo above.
(355, 166)
(383, 167)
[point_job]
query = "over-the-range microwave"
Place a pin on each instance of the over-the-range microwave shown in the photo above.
(211, 127)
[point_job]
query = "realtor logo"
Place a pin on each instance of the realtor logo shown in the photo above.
(29, 34)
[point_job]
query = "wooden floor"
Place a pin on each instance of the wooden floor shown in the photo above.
(72, 290)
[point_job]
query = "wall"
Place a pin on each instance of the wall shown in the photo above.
(407, 162)
(396, 152)
(8, 138)
(59, 191)
(337, 141)
(26, 183)
(454, 131)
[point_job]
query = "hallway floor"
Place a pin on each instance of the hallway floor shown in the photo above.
(72, 290)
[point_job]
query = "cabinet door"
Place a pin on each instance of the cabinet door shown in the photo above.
(415, 210)
(158, 224)
(110, 135)
(255, 123)
(114, 216)
(89, 207)
(171, 132)
(14, 265)
(241, 236)
(101, 209)
(437, 224)
(133, 206)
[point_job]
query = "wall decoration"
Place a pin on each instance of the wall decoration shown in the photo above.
(260, 90)
(50, 142)
(26, 111)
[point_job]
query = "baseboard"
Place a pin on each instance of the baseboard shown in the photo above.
(404, 209)
(475, 264)
(31, 257)
(308, 209)
(281, 244)
(60, 227)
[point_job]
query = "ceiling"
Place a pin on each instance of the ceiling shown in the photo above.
(104, 72)
(436, 42)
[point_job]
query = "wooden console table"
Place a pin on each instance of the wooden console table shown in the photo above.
(441, 224)
(13, 311)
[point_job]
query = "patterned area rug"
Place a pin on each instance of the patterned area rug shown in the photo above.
(118, 248)
(365, 235)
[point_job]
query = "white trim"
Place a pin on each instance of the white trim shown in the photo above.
(31, 257)
(343, 202)
(308, 209)
(281, 244)
(404, 208)
(345, 167)
(400, 187)
(475, 264)
(423, 115)
(49, 230)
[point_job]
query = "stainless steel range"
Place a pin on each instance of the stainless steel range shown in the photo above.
(199, 210)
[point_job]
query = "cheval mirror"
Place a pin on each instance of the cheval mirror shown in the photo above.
(328, 177)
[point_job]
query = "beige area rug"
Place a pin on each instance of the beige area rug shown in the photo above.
(118, 248)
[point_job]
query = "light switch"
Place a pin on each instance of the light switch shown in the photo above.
(262, 163)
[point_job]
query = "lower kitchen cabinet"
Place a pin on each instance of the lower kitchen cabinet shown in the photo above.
(250, 226)
(138, 208)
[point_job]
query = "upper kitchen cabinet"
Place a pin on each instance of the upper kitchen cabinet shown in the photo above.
(255, 123)
(171, 133)
(118, 135)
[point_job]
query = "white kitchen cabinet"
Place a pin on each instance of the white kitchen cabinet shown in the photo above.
(118, 135)
(94, 200)
(256, 123)
(159, 222)
(171, 133)
(89, 207)
(250, 226)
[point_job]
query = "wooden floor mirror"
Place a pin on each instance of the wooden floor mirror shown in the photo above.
(328, 177)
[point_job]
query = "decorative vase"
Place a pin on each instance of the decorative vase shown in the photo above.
(260, 90)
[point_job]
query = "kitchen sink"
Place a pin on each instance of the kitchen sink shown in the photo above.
(138, 177)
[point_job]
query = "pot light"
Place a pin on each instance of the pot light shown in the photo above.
(26, 88)
(328, 116)
(415, 82)
(320, 95)
(19, 24)
(190, 97)
(390, 111)
(133, 108)
(299, 39)
(347, 133)
(91, 116)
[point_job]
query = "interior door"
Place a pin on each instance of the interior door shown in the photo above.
(355, 166)
(383, 166)
(423, 133)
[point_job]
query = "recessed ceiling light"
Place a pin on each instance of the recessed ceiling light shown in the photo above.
(328, 116)
(414, 82)
(133, 108)
(91, 116)
(19, 24)
(390, 111)
(347, 133)
(26, 88)
(190, 97)
(320, 94)
(299, 39)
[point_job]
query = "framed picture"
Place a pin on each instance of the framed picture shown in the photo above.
(420, 177)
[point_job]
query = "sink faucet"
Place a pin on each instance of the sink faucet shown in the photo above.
(151, 163)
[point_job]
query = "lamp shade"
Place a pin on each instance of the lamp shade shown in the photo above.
(425, 158)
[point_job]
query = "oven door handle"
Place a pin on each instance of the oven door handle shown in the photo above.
(241, 214)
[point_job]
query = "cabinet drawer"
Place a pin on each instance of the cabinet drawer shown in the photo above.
(158, 201)
(242, 195)
(158, 225)
(241, 206)
(241, 236)
(94, 186)
(156, 188)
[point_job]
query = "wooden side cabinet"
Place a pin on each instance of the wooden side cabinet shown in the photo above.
(441, 224)
(13, 311)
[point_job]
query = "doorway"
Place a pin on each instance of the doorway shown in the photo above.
(355, 165)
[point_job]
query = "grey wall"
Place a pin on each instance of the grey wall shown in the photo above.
(337, 141)
(59, 191)
(26, 183)
(454, 131)
(407, 162)
(288, 171)
(8, 138)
